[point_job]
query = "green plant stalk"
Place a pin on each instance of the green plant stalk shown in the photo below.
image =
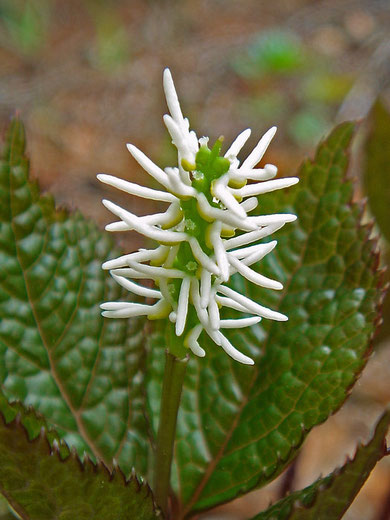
(175, 369)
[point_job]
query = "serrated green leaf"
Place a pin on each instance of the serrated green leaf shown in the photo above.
(376, 175)
(328, 498)
(42, 479)
(376, 172)
(239, 426)
(57, 353)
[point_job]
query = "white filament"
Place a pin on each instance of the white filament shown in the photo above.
(225, 209)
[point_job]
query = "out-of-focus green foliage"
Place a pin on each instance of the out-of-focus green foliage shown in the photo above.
(110, 48)
(308, 124)
(286, 80)
(322, 86)
(272, 52)
(43, 479)
(26, 24)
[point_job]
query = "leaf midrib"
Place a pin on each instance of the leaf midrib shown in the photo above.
(75, 413)
(212, 465)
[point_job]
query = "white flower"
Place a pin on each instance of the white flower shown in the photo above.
(209, 201)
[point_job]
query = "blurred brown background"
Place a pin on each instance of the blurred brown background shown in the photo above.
(86, 78)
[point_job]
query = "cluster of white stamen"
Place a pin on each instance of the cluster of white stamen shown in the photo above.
(202, 282)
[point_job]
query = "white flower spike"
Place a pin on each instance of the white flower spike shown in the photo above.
(205, 236)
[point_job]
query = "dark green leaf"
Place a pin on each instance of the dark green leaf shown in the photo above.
(42, 479)
(328, 498)
(376, 176)
(376, 173)
(240, 426)
(57, 353)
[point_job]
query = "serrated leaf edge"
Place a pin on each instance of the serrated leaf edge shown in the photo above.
(58, 213)
(380, 286)
(53, 448)
(298, 505)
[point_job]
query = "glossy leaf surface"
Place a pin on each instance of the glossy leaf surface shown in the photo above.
(329, 498)
(56, 351)
(240, 426)
(43, 480)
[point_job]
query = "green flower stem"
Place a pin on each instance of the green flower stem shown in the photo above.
(175, 370)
